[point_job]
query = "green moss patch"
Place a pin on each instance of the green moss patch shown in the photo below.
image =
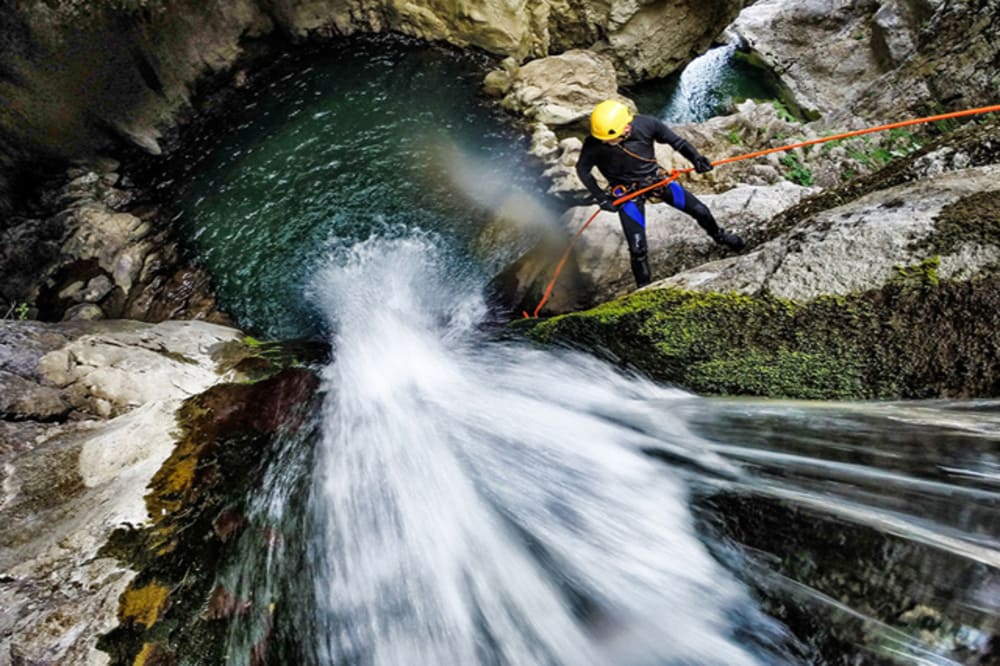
(917, 338)
(784, 372)
(972, 219)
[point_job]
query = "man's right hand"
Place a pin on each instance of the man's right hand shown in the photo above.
(608, 204)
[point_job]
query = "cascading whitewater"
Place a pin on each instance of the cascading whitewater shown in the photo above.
(484, 503)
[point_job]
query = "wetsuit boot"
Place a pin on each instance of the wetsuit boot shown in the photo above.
(640, 270)
(730, 240)
(699, 211)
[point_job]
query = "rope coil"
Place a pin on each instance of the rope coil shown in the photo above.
(676, 173)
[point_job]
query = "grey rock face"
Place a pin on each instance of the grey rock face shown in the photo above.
(821, 50)
(859, 246)
(64, 488)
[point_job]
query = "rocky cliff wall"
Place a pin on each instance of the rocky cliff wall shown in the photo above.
(75, 76)
(878, 58)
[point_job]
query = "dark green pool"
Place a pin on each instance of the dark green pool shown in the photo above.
(369, 136)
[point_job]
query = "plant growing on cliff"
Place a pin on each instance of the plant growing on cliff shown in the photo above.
(783, 112)
(796, 171)
(18, 311)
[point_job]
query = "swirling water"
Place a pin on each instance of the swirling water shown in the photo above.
(462, 497)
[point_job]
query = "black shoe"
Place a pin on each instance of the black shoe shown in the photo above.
(730, 240)
(640, 271)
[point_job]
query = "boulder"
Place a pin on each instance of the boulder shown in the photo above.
(111, 373)
(563, 89)
(22, 399)
(893, 59)
(822, 51)
(939, 227)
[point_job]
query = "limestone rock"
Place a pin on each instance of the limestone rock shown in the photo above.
(821, 50)
(563, 89)
(62, 495)
(112, 239)
(895, 31)
(893, 59)
(859, 246)
(125, 369)
(84, 312)
(21, 399)
(953, 66)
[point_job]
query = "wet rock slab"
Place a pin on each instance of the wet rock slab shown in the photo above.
(65, 486)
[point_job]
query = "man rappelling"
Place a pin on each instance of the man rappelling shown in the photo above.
(621, 146)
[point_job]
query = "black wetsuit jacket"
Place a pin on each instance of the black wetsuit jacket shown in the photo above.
(618, 166)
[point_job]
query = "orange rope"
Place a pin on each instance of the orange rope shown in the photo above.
(559, 267)
(675, 174)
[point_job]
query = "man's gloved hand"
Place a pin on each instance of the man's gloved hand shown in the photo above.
(702, 164)
(608, 204)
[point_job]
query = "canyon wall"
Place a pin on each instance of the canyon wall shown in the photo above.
(78, 76)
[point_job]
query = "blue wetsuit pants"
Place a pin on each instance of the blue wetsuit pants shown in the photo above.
(632, 215)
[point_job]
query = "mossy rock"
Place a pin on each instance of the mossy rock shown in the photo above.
(170, 613)
(916, 338)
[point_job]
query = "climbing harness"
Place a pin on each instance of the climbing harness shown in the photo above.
(676, 173)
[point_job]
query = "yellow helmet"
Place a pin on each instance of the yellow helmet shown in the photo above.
(609, 119)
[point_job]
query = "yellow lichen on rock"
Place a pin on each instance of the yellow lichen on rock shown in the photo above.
(143, 605)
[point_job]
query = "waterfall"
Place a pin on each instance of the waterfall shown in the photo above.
(481, 502)
(700, 87)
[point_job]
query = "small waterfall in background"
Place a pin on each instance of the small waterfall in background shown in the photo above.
(710, 85)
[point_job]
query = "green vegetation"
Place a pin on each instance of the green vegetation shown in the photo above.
(18, 311)
(783, 112)
(734, 137)
(918, 337)
(898, 143)
(797, 373)
(924, 273)
(796, 171)
(830, 145)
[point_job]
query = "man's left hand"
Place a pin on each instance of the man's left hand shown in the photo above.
(702, 164)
